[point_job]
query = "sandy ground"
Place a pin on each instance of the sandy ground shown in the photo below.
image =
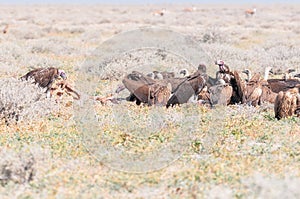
(251, 154)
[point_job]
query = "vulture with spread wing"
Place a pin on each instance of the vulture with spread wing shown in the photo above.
(45, 77)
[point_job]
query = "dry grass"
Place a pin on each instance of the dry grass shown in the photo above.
(235, 151)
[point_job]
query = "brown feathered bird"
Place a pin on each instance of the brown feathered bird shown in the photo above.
(189, 88)
(253, 90)
(45, 77)
(283, 84)
(287, 104)
(224, 71)
(220, 94)
(143, 89)
(257, 89)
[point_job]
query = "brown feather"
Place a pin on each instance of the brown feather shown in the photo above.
(287, 103)
(44, 77)
(278, 85)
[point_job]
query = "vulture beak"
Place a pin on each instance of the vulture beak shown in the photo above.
(120, 88)
(62, 74)
(184, 72)
(271, 71)
(291, 70)
(297, 75)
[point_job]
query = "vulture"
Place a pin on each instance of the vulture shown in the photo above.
(226, 88)
(287, 104)
(277, 85)
(224, 71)
(143, 89)
(153, 75)
(161, 75)
(45, 77)
(184, 72)
(188, 89)
(220, 94)
(204, 96)
(253, 90)
(258, 90)
(238, 88)
(166, 75)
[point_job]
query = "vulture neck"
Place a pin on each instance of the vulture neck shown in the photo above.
(267, 71)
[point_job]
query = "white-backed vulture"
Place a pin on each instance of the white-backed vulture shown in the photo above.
(166, 75)
(278, 85)
(257, 89)
(184, 72)
(161, 75)
(45, 77)
(253, 90)
(287, 104)
(284, 84)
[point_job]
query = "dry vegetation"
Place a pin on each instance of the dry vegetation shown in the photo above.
(236, 151)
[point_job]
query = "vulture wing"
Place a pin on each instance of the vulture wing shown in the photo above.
(286, 103)
(168, 75)
(44, 77)
(238, 88)
(267, 94)
(139, 89)
(220, 94)
(159, 94)
(146, 90)
(278, 85)
(188, 88)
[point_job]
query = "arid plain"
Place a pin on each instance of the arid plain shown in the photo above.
(231, 152)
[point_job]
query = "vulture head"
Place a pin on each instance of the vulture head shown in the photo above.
(184, 72)
(248, 73)
(202, 68)
(268, 70)
(223, 68)
(155, 75)
(219, 62)
(62, 74)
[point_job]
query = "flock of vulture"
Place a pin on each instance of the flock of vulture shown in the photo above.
(164, 89)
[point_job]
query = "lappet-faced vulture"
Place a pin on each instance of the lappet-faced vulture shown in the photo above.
(45, 77)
